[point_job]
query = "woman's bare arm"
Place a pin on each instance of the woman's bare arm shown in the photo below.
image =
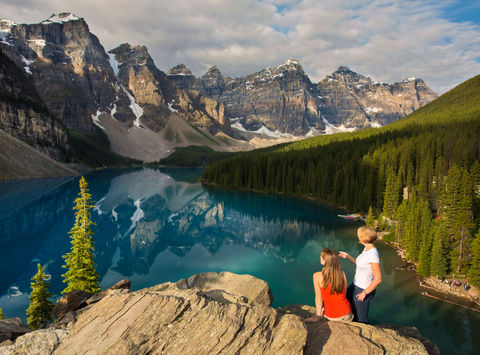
(317, 283)
(345, 255)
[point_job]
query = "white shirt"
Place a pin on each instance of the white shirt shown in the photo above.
(363, 272)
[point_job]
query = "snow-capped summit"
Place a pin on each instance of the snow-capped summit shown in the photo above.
(61, 18)
(407, 80)
(6, 24)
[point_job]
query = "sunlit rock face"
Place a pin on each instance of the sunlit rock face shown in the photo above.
(282, 99)
(353, 100)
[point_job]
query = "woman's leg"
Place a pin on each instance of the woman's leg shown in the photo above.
(350, 298)
(362, 307)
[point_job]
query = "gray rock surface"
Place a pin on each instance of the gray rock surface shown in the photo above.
(11, 328)
(283, 98)
(246, 288)
(171, 319)
(23, 114)
(39, 342)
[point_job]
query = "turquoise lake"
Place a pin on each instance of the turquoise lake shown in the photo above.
(158, 225)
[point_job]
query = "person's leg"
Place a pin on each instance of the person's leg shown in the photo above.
(362, 307)
(350, 298)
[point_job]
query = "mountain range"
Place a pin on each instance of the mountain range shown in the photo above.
(68, 84)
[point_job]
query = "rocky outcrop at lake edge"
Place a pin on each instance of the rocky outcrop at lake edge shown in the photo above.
(212, 313)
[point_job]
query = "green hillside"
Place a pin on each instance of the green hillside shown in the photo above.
(431, 156)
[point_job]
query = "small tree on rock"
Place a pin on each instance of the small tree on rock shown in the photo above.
(40, 309)
(81, 273)
(1, 314)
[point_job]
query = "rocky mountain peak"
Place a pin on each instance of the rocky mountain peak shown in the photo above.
(345, 74)
(6, 24)
(179, 69)
(61, 17)
(137, 55)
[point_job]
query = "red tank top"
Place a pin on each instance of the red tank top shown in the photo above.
(336, 304)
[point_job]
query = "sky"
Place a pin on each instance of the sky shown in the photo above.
(387, 40)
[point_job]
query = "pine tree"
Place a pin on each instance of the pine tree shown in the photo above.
(425, 258)
(370, 220)
(40, 309)
(474, 272)
(439, 264)
(1, 314)
(391, 195)
(81, 273)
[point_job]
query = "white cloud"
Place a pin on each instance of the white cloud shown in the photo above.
(387, 40)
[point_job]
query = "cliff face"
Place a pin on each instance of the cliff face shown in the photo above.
(282, 98)
(277, 98)
(159, 97)
(149, 86)
(67, 65)
(211, 314)
(353, 100)
(24, 116)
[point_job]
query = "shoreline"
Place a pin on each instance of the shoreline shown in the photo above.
(438, 289)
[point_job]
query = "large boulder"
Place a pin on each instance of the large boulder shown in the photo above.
(244, 288)
(11, 328)
(70, 302)
(329, 337)
(43, 341)
(173, 319)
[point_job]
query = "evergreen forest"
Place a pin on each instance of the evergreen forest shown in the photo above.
(419, 177)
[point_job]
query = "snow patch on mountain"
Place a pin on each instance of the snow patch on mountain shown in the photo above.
(331, 129)
(170, 107)
(60, 18)
(114, 63)
(136, 109)
(27, 66)
(372, 109)
(96, 121)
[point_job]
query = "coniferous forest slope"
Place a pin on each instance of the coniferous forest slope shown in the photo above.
(420, 175)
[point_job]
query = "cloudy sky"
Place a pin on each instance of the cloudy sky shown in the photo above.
(387, 40)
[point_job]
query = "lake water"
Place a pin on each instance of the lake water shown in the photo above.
(158, 225)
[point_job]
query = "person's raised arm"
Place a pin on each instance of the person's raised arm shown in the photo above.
(377, 279)
(345, 255)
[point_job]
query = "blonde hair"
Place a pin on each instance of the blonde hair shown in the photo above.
(366, 234)
(332, 271)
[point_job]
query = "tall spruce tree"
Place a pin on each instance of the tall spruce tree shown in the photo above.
(439, 263)
(474, 272)
(40, 309)
(370, 220)
(425, 257)
(81, 273)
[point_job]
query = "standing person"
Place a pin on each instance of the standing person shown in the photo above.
(367, 274)
(330, 287)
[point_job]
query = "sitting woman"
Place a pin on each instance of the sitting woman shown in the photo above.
(330, 287)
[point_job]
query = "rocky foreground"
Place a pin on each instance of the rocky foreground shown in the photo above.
(207, 314)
